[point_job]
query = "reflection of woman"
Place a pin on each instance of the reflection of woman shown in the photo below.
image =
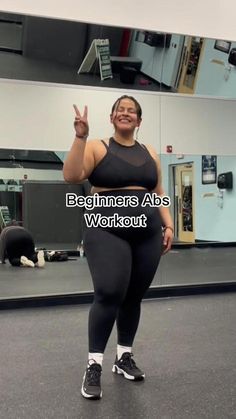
(122, 260)
(17, 244)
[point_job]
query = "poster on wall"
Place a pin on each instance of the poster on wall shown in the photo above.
(223, 46)
(209, 169)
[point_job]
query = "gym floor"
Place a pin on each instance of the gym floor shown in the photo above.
(179, 267)
(14, 66)
(186, 346)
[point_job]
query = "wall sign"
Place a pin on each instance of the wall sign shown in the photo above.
(223, 46)
(209, 169)
(99, 50)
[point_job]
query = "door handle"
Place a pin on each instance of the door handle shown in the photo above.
(180, 205)
(186, 58)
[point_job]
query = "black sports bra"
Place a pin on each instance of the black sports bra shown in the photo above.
(125, 166)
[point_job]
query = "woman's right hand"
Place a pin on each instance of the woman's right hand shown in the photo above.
(81, 122)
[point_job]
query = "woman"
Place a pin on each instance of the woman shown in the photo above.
(122, 260)
(17, 244)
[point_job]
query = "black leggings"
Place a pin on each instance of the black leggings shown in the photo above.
(122, 262)
(19, 242)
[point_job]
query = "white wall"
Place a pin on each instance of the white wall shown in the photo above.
(194, 125)
(158, 63)
(40, 116)
(209, 18)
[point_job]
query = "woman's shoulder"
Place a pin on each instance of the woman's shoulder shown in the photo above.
(152, 151)
(97, 143)
(95, 149)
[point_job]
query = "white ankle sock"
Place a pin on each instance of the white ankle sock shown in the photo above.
(96, 357)
(122, 349)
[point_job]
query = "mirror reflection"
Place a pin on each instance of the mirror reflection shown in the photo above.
(196, 201)
(139, 59)
(195, 207)
(32, 188)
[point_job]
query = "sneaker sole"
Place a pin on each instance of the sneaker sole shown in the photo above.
(26, 262)
(118, 370)
(41, 260)
(90, 396)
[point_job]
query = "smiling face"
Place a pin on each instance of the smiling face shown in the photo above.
(125, 116)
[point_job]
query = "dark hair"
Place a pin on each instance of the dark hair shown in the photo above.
(137, 105)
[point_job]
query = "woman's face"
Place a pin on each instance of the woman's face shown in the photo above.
(125, 118)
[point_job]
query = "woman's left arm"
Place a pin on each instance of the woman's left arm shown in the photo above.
(167, 221)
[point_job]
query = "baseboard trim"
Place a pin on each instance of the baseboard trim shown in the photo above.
(87, 297)
(202, 244)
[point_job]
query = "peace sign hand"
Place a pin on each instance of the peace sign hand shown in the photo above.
(81, 122)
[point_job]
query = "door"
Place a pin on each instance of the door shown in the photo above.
(184, 191)
(192, 51)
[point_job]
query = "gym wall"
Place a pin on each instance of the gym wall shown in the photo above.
(213, 19)
(40, 116)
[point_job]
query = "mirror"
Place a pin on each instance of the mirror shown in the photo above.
(193, 126)
(140, 59)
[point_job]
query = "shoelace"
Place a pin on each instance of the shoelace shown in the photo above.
(94, 371)
(128, 361)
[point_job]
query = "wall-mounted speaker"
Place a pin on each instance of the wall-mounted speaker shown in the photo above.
(225, 180)
(232, 56)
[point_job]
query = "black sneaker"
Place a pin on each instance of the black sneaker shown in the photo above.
(91, 386)
(126, 366)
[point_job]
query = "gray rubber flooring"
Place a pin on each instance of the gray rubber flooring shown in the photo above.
(186, 347)
(183, 266)
(17, 67)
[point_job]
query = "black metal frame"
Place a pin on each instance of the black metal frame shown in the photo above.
(87, 297)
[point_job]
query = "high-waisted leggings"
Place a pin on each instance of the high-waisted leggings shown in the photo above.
(122, 262)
